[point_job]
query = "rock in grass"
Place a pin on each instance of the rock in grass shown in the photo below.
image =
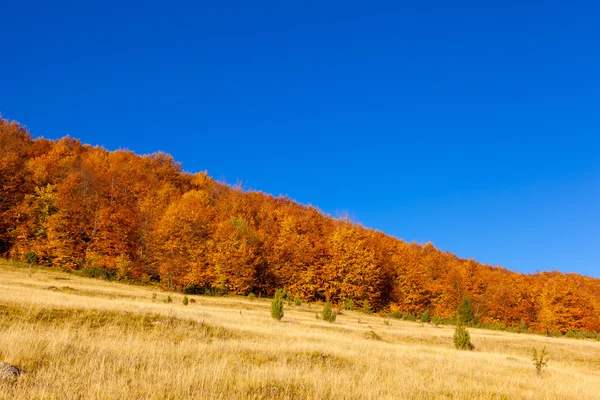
(8, 371)
(371, 335)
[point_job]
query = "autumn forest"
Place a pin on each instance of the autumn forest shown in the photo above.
(128, 217)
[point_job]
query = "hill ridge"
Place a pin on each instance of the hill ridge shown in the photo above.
(140, 217)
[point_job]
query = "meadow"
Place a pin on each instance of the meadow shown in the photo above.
(80, 338)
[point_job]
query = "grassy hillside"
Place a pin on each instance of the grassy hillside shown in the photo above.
(81, 338)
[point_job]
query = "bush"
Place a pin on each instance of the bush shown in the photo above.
(185, 300)
(328, 314)
(251, 296)
(540, 360)
(297, 301)
(409, 317)
(194, 289)
(98, 272)
(30, 257)
(348, 304)
(366, 308)
(462, 338)
(425, 317)
(277, 309)
(169, 299)
(582, 335)
(396, 314)
(208, 291)
(223, 288)
(553, 333)
(522, 326)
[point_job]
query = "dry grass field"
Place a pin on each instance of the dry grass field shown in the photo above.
(78, 338)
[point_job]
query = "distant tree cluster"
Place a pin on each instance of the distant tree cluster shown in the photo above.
(123, 216)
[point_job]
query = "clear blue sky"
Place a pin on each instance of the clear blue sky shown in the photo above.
(474, 125)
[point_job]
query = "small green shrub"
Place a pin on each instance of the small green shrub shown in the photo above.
(251, 296)
(208, 291)
(98, 272)
(462, 338)
(205, 290)
(223, 288)
(409, 317)
(194, 289)
(425, 317)
(297, 301)
(396, 314)
(328, 314)
(522, 326)
(540, 360)
(582, 335)
(465, 314)
(277, 309)
(169, 299)
(348, 304)
(30, 257)
(366, 308)
(185, 300)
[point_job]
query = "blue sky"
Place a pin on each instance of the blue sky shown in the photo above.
(474, 125)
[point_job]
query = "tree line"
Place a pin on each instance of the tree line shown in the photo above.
(140, 217)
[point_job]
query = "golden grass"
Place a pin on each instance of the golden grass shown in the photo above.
(78, 338)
